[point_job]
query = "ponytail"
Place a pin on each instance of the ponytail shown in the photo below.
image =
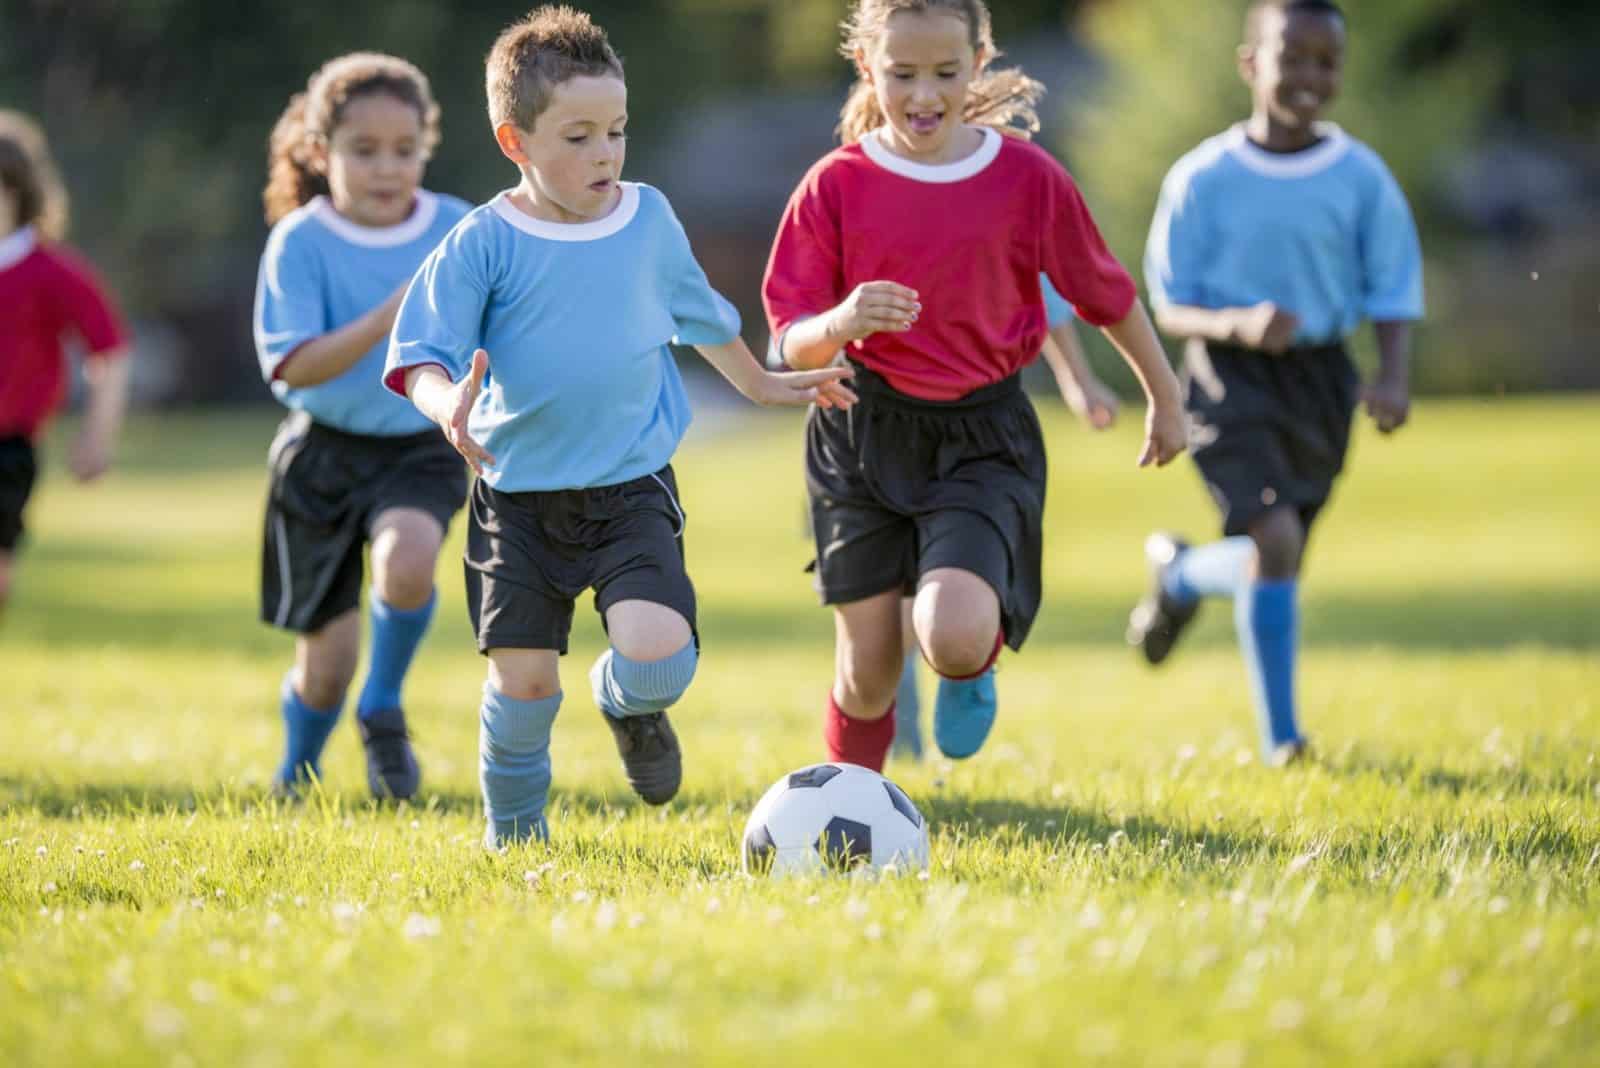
(291, 179)
(29, 172)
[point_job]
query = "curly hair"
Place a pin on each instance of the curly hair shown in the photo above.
(313, 115)
(1004, 99)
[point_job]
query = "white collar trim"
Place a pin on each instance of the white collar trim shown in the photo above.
(401, 233)
(17, 246)
(620, 216)
(1335, 144)
(962, 169)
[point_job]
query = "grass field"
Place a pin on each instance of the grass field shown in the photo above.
(1114, 879)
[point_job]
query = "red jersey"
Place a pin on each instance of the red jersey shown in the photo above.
(46, 293)
(971, 237)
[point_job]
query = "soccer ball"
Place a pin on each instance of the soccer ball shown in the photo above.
(834, 817)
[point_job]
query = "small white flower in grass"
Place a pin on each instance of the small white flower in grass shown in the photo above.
(1452, 978)
(299, 901)
(99, 852)
(1187, 752)
(49, 888)
(416, 825)
(922, 1004)
(636, 921)
(580, 896)
(1533, 941)
(989, 997)
(1244, 758)
(344, 912)
(856, 908)
(605, 917)
(813, 899)
(136, 866)
(1227, 1055)
(1091, 917)
(418, 926)
(775, 916)
(42, 851)
(1582, 939)
(713, 906)
(922, 876)
(221, 893)
(77, 849)
(1286, 1015)
(202, 992)
(274, 923)
(395, 877)
(1562, 1014)
(873, 932)
(1497, 905)
(163, 1021)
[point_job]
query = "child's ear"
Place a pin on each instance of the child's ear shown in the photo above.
(980, 61)
(509, 138)
(1247, 64)
(861, 66)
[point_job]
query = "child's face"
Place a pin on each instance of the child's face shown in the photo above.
(1294, 69)
(573, 155)
(919, 69)
(374, 160)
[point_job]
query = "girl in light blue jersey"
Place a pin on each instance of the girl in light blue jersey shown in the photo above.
(537, 337)
(352, 466)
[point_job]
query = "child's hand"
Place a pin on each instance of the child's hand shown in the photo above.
(874, 307)
(1266, 327)
(1389, 404)
(797, 388)
(1092, 402)
(1166, 434)
(91, 456)
(456, 405)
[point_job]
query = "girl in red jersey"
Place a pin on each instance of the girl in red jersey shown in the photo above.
(917, 247)
(46, 294)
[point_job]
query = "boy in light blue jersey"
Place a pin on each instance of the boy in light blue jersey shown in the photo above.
(537, 337)
(352, 466)
(1271, 243)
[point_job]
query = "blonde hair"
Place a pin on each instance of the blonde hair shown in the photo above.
(533, 56)
(29, 172)
(1003, 99)
(314, 114)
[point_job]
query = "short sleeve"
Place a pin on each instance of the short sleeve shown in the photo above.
(86, 309)
(1076, 259)
(700, 315)
(1391, 254)
(440, 320)
(1056, 309)
(1173, 268)
(290, 309)
(805, 273)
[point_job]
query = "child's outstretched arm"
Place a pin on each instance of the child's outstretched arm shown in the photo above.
(1388, 397)
(449, 404)
(1088, 397)
(870, 308)
(332, 354)
(734, 361)
(107, 374)
(1166, 427)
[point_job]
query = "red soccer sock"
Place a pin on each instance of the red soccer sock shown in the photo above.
(857, 741)
(994, 654)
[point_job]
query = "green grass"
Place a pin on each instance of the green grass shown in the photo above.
(1113, 879)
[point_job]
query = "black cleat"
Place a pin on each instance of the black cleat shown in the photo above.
(650, 755)
(1159, 618)
(392, 769)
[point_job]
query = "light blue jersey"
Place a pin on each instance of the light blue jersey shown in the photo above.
(1056, 308)
(320, 271)
(1324, 233)
(582, 388)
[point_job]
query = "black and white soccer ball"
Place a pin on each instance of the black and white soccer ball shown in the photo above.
(834, 817)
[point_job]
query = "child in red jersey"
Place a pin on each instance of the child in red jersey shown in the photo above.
(46, 295)
(917, 248)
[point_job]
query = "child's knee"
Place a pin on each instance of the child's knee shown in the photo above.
(957, 649)
(523, 675)
(402, 567)
(1280, 539)
(627, 687)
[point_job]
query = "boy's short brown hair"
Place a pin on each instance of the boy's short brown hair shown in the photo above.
(533, 56)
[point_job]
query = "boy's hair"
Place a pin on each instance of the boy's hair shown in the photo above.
(314, 114)
(1252, 18)
(531, 57)
(30, 175)
(1004, 99)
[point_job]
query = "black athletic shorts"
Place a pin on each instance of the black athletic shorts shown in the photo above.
(901, 486)
(529, 556)
(18, 469)
(1268, 431)
(327, 486)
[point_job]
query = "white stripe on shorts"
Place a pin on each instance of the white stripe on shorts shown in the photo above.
(683, 520)
(286, 593)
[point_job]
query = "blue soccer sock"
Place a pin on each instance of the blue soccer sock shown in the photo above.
(306, 731)
(514, 765)
(396, 633)
(908, 709)
(1267, 618)
(1219, 569)
(624, 687)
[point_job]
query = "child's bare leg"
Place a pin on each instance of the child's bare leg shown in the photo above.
(958, 625)
(646, 669)
(520, 702)
(868, 656)
(405, 548)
